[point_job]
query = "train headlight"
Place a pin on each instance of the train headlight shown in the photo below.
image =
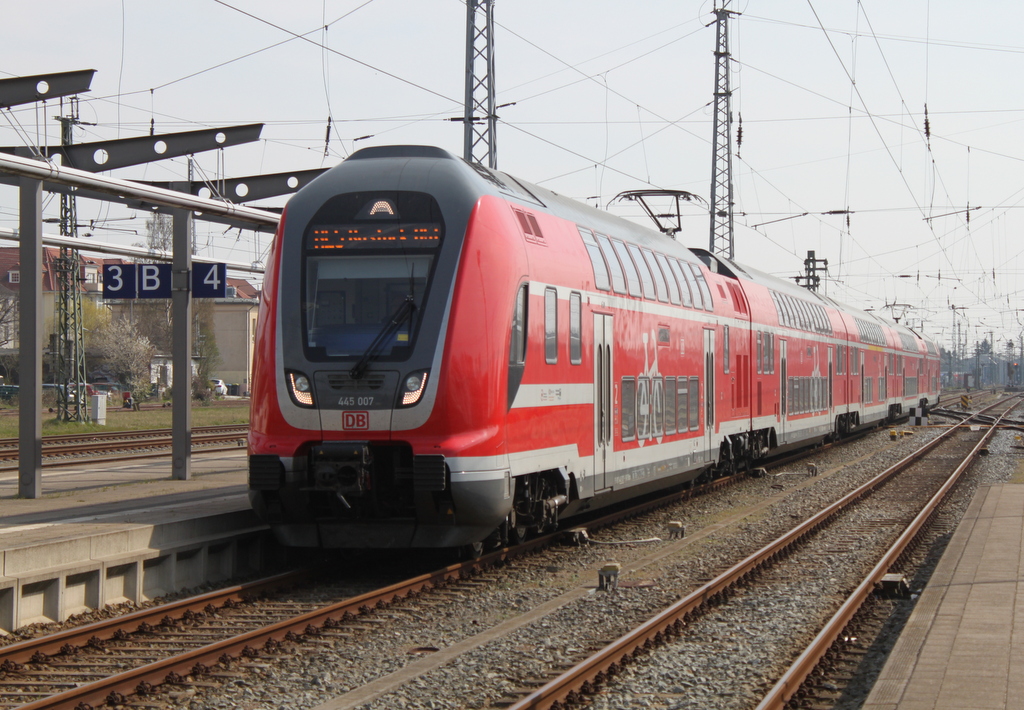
(301, 389)
(413, 388)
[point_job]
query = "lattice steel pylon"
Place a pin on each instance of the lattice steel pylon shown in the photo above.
(69, 373)
(480, 120)
(721, 243)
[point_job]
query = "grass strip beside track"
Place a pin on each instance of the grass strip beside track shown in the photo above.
(224, 412)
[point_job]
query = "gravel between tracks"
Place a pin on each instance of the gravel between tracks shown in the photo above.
(372, 647)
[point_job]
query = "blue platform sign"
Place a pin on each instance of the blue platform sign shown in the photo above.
(153, 280)
(209, 280)
(119, 281)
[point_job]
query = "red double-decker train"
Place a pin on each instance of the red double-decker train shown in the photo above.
(447, 356)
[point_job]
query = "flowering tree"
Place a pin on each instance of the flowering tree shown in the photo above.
(128, 354)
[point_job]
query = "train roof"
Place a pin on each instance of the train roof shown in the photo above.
(507, 186)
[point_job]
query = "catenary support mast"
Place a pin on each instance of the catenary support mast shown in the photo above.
(721, 243)
(69, 373)
(480, 119)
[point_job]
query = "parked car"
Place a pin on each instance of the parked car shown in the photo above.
(8, 392)
(219, 387)
(108, 388)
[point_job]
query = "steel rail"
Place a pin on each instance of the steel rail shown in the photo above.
(127, 435)
(789, 684)
(158, 672)
(52, 644)
(581, 678)
(247, 644)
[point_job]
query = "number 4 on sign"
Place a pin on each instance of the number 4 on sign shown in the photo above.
(209, 280)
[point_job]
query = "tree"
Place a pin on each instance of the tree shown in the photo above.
(204, 340)
(8, 317)
(128, 355)
(95, 318)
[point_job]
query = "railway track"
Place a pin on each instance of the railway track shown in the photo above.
(67, 449)
(289, 635)
(200, 637)
(913, 488)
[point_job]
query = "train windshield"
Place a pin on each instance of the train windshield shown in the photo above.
(369, 258)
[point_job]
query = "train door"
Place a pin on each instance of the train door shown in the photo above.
(709, 393)
(830, 380)
(602, 398)
(864, 396)
(783, 390)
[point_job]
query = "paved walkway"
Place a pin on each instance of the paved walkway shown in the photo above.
(963, 646)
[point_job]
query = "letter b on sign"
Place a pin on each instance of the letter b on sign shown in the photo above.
(154, 280)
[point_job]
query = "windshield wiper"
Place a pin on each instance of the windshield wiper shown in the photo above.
(404, 311)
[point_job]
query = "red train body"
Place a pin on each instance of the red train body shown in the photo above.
(447, 355)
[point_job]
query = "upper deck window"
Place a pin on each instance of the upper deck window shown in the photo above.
(645, 273)
(618, 277)
(632, 277)
(601, 277)
(670, 279)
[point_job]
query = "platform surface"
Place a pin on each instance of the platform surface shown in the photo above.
(89, 498)
(963, 646)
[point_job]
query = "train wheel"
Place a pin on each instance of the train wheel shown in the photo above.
(516, 533)
(471, 551)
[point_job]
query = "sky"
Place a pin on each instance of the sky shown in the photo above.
(603, 96)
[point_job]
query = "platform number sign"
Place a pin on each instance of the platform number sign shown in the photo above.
(154, 281)
(209, 281)
(119, 281)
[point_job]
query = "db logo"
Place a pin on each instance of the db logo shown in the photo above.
(355, 420)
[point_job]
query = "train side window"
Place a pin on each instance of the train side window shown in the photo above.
(517, 352)
(658, 405)
(575, 328)
(601, 277)
(694, 403)
(670, 405)
(684, 287)
(709, 304)
(854, 361)
(646, 278)
(670, 280)
(759, 361)
(550, 326)
(794, 312)
(618, 278)
(659, 279)
(725, 348)
(801, 314)
(517, 343)
(632, 277)
(643, 408)
(682, 404)
(628, 432)
(691, 281)
(792, 321)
